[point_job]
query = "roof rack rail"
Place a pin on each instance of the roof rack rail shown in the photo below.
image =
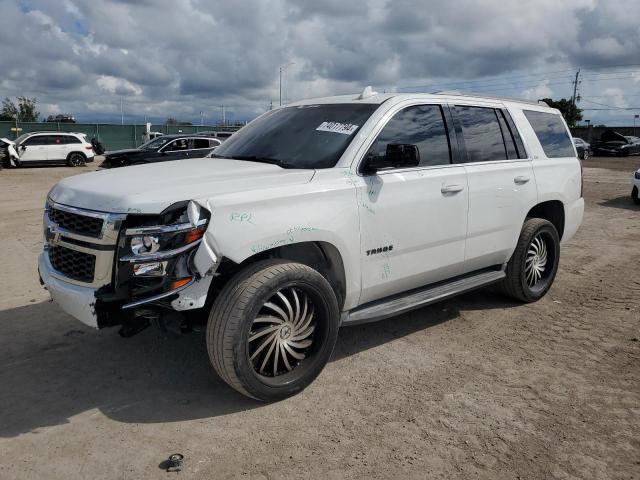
(493, 97)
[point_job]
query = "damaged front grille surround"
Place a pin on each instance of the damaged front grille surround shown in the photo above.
(77, 232)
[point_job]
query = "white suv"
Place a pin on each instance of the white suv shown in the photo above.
(51, 147)
(326, 212)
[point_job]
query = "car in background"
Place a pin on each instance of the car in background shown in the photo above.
(582, 147)
(635, 195)
(37, 148)
(61, 119)
(614, 143)
(162, 149)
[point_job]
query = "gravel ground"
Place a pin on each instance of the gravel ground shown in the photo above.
(475, 387)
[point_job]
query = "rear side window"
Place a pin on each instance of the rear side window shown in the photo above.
(201, 143)
(71, 139)
(482, 134)
(551, 133)
(422, 126)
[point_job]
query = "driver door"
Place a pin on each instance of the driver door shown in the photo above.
(175, 150)
(413, 221)
(34, 149)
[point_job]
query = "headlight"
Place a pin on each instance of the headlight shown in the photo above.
(161, 245)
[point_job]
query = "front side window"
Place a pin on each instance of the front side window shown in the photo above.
(420, 125)
(305, 136)
(482, 134)
(177, 145)
(155, 144)
(38, 140)
(551, 133)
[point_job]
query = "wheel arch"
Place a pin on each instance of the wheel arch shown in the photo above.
(74, 152)
(551, 210)
(319, 255)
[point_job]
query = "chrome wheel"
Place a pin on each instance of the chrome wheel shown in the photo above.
(76, 160)
(282, 332)
(536, 261)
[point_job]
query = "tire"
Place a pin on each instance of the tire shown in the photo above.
(522, 282)
(76, 159)
(634, 195)
(585, 155)
(235, 331)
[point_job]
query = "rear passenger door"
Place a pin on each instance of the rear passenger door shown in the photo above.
(57, 147)
(413, 221)
(502, 187)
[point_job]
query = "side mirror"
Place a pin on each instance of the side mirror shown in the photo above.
(397, 155)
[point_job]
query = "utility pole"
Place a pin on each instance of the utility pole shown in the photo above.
(224, 120)
(201, 119)
(282, 67)
(634, 124)
(121, 110)
(575, 88)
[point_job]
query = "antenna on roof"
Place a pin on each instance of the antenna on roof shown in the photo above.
(367, 92)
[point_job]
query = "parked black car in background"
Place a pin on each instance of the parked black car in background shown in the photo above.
(162, 149)
(614, 143)
(582, 147)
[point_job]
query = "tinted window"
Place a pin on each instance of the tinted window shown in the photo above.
(306, 136)
(422, 126)
(176, 145)
(482, 134)
(551, 133)
(71, 139)
(37, 140)
(201, 143)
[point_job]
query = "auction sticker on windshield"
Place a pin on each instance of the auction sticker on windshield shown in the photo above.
(337, 127)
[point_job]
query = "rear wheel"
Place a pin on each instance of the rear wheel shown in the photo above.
(76, 160)
(534, 263)
(272, 329)
(635, 195)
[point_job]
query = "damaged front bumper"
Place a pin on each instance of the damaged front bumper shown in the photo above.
(97, 280)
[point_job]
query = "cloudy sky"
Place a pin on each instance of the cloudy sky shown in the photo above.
(182, 57)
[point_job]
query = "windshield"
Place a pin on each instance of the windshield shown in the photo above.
(307, 136)
(21, 138)
(155, 144)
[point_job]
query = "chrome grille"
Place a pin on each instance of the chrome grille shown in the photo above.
(74, 264)
(75, 223)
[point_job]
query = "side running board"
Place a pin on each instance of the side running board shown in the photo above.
(389, 307)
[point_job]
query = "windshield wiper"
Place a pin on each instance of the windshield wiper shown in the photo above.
(256, 158)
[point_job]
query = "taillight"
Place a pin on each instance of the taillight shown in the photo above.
(88, 147)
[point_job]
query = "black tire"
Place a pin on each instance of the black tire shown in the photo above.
(585, 155)
(634, 195)
(516, 284)
(76, 159)
(232, 318)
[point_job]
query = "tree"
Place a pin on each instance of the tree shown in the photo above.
(25, 111)
(571, 113)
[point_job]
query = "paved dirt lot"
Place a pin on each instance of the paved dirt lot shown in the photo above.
(476, 387)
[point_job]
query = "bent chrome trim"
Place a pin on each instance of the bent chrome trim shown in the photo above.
(152, 257)
(179, 227)
(160, 296)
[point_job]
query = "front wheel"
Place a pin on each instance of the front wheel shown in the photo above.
(534, 263)
(635, 196)
(272, 329)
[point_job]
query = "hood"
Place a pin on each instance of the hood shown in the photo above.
(153, 187)
(612, 136)
(6, 140)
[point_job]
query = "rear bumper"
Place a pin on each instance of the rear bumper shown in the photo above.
(77, 301)
(573, 219)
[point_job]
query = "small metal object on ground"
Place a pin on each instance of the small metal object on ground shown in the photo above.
(173, 463)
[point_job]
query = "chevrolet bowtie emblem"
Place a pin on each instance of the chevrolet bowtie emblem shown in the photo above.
(54, 236)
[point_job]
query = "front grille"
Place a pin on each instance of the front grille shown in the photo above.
(77, 265)
(75, 223)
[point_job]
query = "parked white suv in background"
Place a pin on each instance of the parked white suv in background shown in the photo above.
(326, 212)
(50, 147)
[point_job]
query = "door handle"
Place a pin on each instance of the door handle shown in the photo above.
(452, 188)
(521, 179)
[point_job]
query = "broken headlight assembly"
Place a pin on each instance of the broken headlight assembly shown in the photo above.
(155, 253)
